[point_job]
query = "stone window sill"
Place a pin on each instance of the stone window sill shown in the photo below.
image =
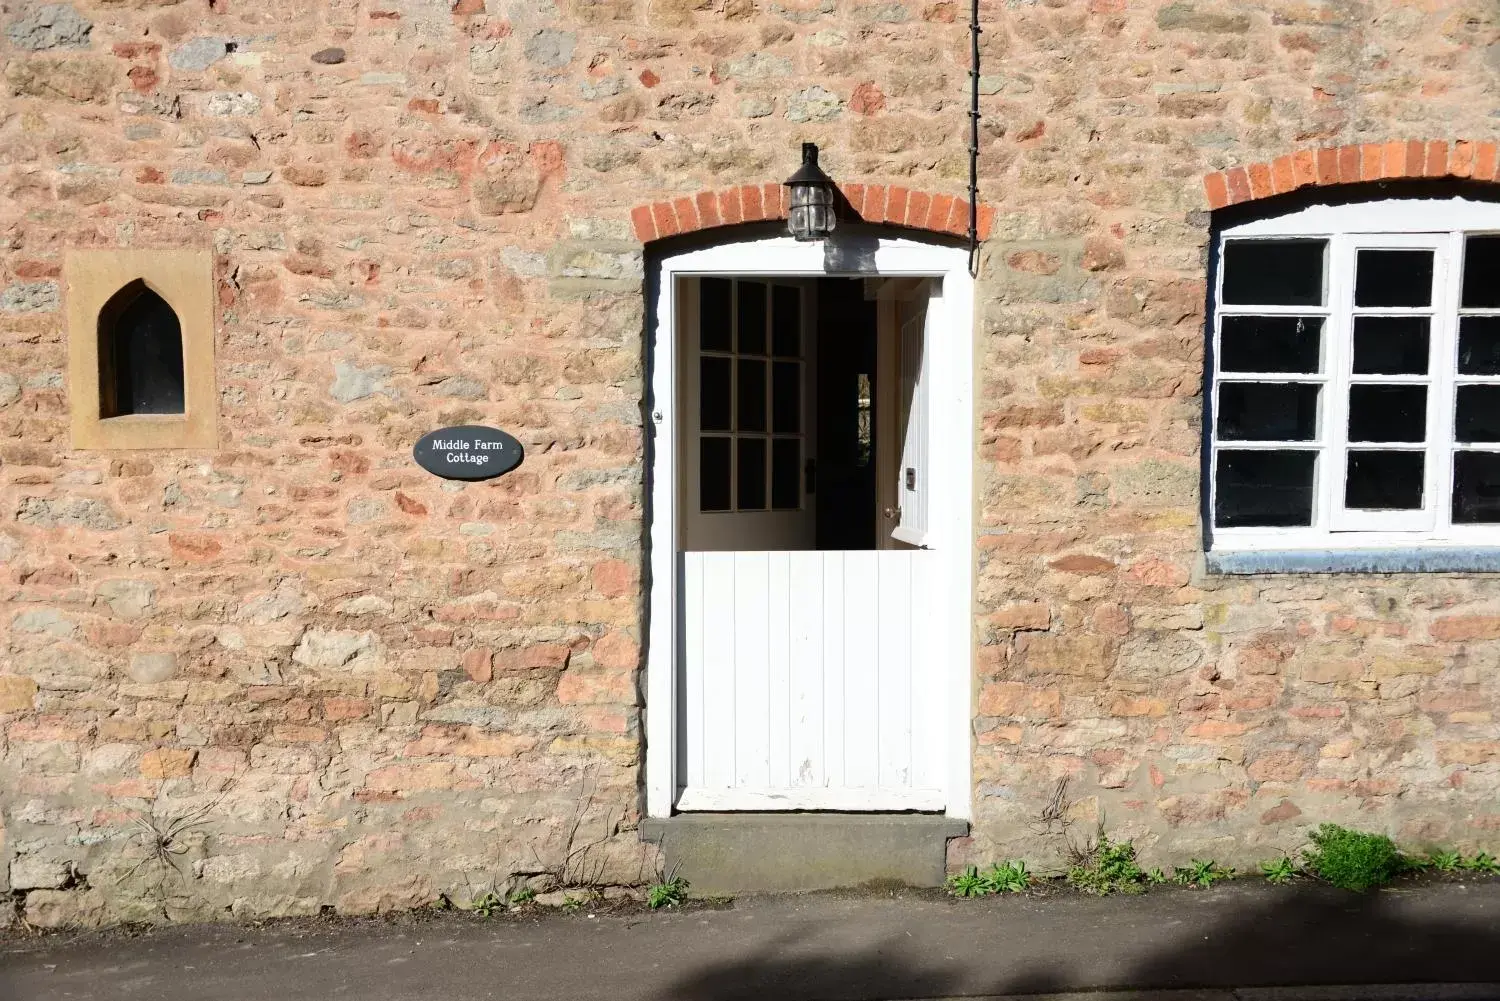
(1456, 559)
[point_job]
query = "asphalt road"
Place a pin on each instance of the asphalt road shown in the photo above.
(1230, 942)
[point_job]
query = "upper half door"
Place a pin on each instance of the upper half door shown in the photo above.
(745, 385)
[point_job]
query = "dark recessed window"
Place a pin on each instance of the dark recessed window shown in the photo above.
(140, 354)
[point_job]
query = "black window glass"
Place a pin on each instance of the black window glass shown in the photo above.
(1274, 272)
(1387, 413)
(1476, 487)
(714, 327)
(752, 318)
(751, 492)
(714, 395)
(1267, 411)
(1479, 345)
(1385, 278)
(1482, 272)
(1391, 345)
(713, 474)
(1384, 481)
(1264, 489)
(786, 397)
(1478, 417)
(751, 400)
(1270, 344)
(786, 321)
(786, 474)
(140, 341)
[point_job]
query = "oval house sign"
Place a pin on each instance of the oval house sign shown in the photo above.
(468, 452)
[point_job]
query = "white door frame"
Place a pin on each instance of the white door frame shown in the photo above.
(952, 514)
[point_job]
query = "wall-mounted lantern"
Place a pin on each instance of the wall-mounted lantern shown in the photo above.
(812, 215)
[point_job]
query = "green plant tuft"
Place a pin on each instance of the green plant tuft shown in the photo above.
(1200, 873)
(1483, 862)
(1279, 870)
(670, 893)
(524, 895)
(487, 903)
(1007, 877)
(968, 883)
(1353, 860)
(1110, 868)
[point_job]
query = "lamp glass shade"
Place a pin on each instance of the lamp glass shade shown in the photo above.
(811, 216)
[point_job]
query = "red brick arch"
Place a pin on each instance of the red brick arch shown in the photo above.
(1404, 158)
(873, 203)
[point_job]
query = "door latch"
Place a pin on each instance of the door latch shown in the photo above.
(911, 478)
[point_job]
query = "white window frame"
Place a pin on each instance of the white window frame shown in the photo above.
(1440, 224)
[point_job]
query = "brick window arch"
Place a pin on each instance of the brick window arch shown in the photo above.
(1400, 159)
(877, 204)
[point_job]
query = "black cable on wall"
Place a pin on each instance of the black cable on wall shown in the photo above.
(974, 138)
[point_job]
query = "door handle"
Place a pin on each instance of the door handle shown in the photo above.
(893, 513)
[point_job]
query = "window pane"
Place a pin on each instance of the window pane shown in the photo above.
(1482, 272)
(751, 399)
(786, 474)
(1271, 344)
(1264, 489)
(786, 320)
(786, 397)
(1387, 413)
(713, 394)
(751, 495)
(713, 474)
(1476, 487)
(1478, 417)
(1267, 411)
(752, 317)
(1384, 481)
(1479, 345)
(1391, 345)
(1274, 272)
(1393, 278)
(713, 313)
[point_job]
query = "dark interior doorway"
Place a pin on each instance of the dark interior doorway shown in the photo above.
(846, 347)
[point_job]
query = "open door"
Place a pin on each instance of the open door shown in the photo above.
(904, 445)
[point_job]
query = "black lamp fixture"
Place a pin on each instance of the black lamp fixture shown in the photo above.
(812, 216)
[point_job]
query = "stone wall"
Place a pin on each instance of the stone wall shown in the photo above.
(353, 685)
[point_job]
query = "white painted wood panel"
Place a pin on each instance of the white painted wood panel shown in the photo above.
(808, 683)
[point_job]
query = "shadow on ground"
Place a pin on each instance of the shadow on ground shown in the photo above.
(1301, 936)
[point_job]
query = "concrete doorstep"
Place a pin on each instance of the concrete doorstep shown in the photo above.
(1244, 941)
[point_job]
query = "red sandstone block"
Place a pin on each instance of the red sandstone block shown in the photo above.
(895, 205)
(645, 225)
(1416, 157)
(708, 209)
(986, 220)
(1260, 181)
(874, 210)
(730, 209)
(1239, 185)
(1371, 161)
(918, 203)
(687, 215)
(1328, 166)
(1461, 163)
(1437, 159)
(1484, 161)
(1283, 174)
(1348, 164)
(666, 219)
(1216, 189)
(1305, 166)
(750, 202)
(937, 215)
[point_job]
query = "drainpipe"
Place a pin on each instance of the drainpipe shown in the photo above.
(974, 138)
